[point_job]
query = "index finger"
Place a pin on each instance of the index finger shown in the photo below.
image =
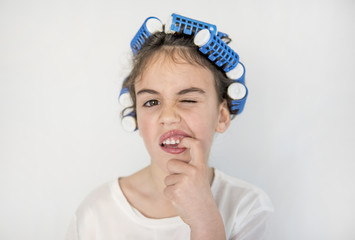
(196, 151)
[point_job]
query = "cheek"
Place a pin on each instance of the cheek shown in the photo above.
(146, 132)
(203, 126)
(144, 125)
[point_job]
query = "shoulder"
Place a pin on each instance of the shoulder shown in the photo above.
(96, 199)
(244, 207)
(84, 221)
(239, 196)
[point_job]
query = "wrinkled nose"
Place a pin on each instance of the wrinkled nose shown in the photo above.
(169, 115)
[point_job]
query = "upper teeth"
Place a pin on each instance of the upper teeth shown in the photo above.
(171, 141)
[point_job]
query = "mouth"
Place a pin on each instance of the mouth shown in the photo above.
(170, 141)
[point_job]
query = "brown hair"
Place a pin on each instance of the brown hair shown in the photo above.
(176, 46)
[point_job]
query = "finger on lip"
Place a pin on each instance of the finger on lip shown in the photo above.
(186, 142)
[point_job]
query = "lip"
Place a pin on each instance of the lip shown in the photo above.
(177, 134)
(173, 133)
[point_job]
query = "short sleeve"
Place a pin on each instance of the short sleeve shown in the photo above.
(254, 227)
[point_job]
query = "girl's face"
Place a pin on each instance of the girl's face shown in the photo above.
(177, 100)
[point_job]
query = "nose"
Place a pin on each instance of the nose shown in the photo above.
(169, 115)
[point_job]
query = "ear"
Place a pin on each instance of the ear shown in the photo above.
(224, 117)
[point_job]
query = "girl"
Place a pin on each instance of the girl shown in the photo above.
(180, 100)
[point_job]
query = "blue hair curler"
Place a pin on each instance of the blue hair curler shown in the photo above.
(189, 26)
(150, 26)
(238, 92)
(237, 73)
(216, 50)
(128, 122)
(125, 98)
(223, 56)
(238, 105)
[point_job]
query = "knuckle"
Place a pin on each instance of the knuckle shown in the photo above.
(167, 180)
(177, 192)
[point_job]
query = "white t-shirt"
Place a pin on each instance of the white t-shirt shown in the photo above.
(107, 215)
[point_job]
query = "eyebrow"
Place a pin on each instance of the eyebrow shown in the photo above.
(182, 92)
(145, 90)
(192, 89)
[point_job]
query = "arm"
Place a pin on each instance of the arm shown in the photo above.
(214, 229)
(188, 188)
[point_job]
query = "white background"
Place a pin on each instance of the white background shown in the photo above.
(61, 68)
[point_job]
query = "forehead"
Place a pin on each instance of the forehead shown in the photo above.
(171, 68)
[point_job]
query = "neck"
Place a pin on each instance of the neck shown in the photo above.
(145, 189)
(157, 177)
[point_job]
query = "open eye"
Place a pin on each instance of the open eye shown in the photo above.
(151, 103)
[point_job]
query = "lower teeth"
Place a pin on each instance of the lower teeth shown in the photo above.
(170, 145)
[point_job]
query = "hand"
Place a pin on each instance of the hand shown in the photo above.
(188, 188)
